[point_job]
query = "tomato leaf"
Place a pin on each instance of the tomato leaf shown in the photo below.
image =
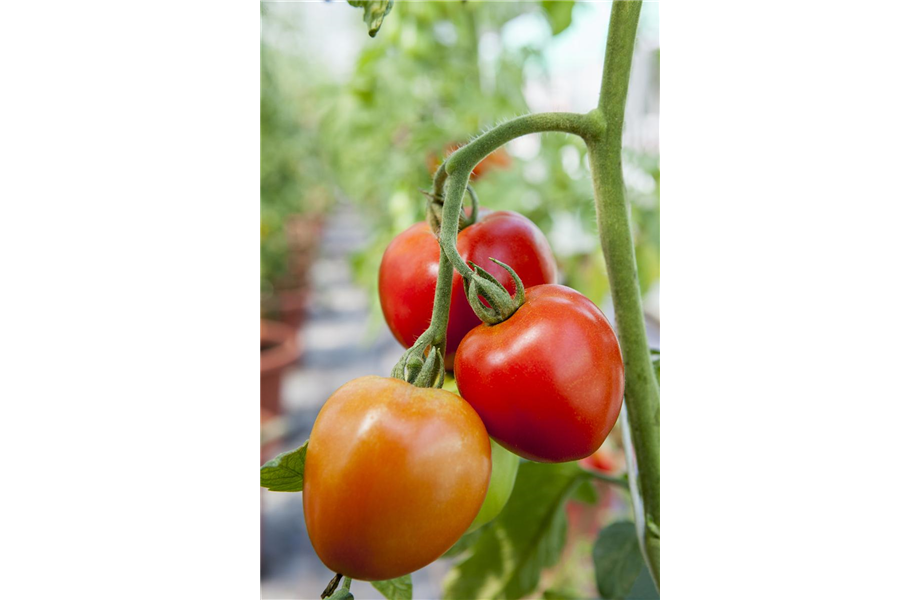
(644, 588)
(585, 493)
(617, 560)
(374, 12)
(508, 557)
(395, 589)
(559, 14)
(555, 594)
(464, 543)
(284, 473)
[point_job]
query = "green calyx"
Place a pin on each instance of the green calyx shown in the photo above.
(499, 305)
(422, 365)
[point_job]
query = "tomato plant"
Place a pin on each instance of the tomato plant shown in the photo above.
(548, 382)
(396, 471)
(394, 476)
(409, 272)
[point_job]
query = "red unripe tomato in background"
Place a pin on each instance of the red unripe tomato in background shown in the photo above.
(394, 475)
(409, 272)
(548, 382)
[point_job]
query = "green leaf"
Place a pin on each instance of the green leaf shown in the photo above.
(464, 543)
(554, 594)
(644, 588)
(374, 12)
(395, 589)
(508, 557)
(617, 560)
(656, 362)
(559, 14)
(284, 473)
(585, 493)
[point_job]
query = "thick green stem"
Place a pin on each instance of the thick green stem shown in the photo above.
(642, 391)
(441, 303)
(468, 156)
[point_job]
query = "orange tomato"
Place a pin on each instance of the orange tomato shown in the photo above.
(394, 475)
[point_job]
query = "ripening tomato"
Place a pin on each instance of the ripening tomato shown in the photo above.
(378, 501)
(548, 382)
(394, 475)
(409, 272)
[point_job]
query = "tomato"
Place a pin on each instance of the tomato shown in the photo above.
(409, 272)
(602, 460)
(504, 472)
(548, 381)
(394, 475)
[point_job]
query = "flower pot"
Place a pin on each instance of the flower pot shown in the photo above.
(280, 350)
(292, 306)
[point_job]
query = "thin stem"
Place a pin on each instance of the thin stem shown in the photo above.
(616, 481)
(642, 391)
(346, 583)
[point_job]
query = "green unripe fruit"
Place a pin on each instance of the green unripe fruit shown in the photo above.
(504, 472)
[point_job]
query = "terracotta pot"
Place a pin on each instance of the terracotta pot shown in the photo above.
(280, 350)
(292, 306)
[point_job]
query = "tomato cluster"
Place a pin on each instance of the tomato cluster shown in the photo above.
(395, 473)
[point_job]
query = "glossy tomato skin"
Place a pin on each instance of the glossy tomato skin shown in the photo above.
(394, 475)
(548, 382)
(409, 272)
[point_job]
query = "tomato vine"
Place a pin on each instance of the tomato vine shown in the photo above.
(423, 363)
(602, 131)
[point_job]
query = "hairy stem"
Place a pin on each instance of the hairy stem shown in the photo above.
(454, 173)
(468, 156)
(642, 391)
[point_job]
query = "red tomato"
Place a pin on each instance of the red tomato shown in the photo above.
(409, 272)
(394, 475)
(548, 382)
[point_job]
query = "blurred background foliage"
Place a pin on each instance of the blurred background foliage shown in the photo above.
(371, 132)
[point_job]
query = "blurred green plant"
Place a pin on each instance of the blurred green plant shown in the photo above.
(435, 73)
(294, 179)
